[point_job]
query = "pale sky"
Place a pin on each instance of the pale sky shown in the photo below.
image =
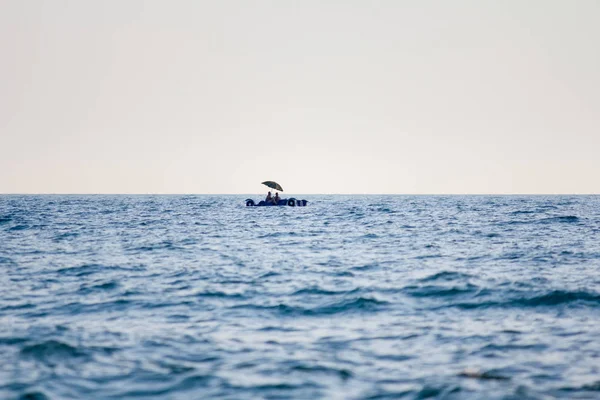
(322, 96)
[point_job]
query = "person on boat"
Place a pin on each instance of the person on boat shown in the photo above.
(269, 198)
(276, 198)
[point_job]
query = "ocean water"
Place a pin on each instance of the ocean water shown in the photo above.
(351, 297)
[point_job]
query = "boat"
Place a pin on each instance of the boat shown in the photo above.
(292, 202)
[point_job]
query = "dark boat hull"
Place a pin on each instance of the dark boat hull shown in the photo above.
(292, 202)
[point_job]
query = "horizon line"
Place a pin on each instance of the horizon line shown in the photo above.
(303, 194)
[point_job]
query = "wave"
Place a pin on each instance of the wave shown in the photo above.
(321, 292)
(165, 245)
(565, 219)
(219, 294)
(484, 375)
(488, 299)
(588, 387)
(12, 340)
(273, 235)
(384, 210)
(188, 383)
(76, 308)
(557, 297)
(359, 304)
(446, 276)
(520, 212)
(17, 228)
(446, 285)
(89, 269)
(440, 291)
(342, 373)
(35, 395)
(269, 274)
(515, 222)
(66, 235)
(100, 287)
(427, 256)
(561, 219)
(366, 267)
(350, 305)
(23, 306)
(52, 351)
(7, 261)
(369, 236)
(428, 392)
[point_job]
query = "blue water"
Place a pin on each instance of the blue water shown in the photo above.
(351, 297)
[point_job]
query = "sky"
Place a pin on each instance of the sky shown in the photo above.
(322, 96)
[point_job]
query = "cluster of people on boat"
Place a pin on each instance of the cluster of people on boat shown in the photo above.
(272, 199)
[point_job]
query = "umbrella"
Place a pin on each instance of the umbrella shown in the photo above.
(273, 185)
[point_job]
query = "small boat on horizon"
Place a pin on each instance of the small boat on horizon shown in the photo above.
(292, 202)
(275, 201)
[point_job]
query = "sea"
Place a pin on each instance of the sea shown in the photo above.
(350, 297)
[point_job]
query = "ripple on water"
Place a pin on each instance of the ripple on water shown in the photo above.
(177, 297)
(90, 269)
(52, 352)
(345, 306)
